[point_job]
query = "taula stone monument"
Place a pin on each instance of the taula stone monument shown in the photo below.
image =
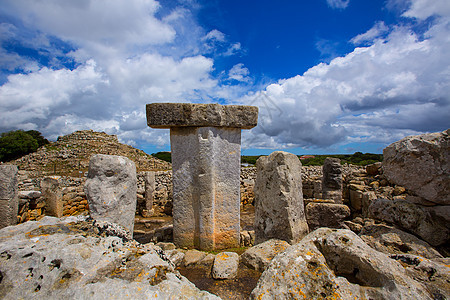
(206, 151)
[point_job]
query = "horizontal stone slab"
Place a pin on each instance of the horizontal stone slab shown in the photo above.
(167, 115)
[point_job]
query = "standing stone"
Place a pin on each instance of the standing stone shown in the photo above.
(9, 204)
(150, 184)
(421, 164)
(111, 190)
(332, 179)
(206, 149)
(279, 210)
(52, 193)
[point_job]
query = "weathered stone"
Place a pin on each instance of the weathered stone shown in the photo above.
(332, 179)
(421, 164)
(65, 259)
(279, 210)
(29, 194)
(149, 178)
(193, 257)
(52, 193)
(169, 115)
(326, 215)
(225, 265)
(259, 257)
(336, 264)
(430, 223)
(390, 240)
(206, 202)
(367, 198)
(373, 169)
(9, 204)
(111, 190)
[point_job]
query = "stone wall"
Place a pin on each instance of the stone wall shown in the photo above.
(89, 135)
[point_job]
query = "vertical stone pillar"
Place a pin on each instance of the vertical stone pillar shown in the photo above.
(111, 189)
(206, 150)
(332, 179)
(150, 184)
(279, 208)
(8, 195)
(52, 193)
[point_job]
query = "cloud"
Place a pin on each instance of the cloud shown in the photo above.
(215, 35)
(375, 32)
(397, 86)
(338, 4)
(239, 72)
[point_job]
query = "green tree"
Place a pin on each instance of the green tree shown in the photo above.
(38, 137)
(15, 144)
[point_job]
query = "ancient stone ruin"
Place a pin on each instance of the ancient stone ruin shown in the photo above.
(8, 195)
(111, 190)
(279, 209)
(206, 150)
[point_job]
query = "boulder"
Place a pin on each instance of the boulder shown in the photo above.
(9, 204)
(259, 257)
(66, 259)
(390, 240)
(225, 265)
(193, 257)
(279, 210)
(336, 264)
(430, 223)
(421, 164)
(29, 194)
(111, 190)
(332, 179)
(326, 215)
(52, 194)
(373, 169)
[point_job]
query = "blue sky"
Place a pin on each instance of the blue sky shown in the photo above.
(329, 76)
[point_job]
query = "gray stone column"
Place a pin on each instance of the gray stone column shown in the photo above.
(52, 193)
(206, 150)
(8, 195)
(332, 179)
(150, 184)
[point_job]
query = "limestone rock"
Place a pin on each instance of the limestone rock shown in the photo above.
(225, 265)
(336, 264)
(52, 193)
(326, 215)
(9, 204)
(279, 210)
(29, 194)
(332, 179)
(390, 240)
(193, 257)
(65, 259)
(259, 257)
(430, 223)
(111, 190)
(421, 164)
(167, 115)
(373, 169)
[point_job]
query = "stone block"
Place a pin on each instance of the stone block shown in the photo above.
(168, 115)
(111, 190)
(225, 265)
(206, 177)
(326, 215)
(260, 256)
(52, 194)
(279, 209)
(9, 202)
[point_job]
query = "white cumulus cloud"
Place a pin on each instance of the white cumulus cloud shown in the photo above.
(338, 4)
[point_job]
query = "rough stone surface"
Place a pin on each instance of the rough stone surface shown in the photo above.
(150, 183)
(373, 169)
(225, 265)
(332, 179)
(9, 203)
(259, 257)
(52, 193)
(67, 259)
(111, 190)
(390, 240)
(29, 194)
(430, 223)
(279, 210)
(326, 215)
(336, 264)
(206, 202)
(193, 257)
(168, 115)
(421, 164)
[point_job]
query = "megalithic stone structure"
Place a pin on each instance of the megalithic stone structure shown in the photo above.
(206, 150)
